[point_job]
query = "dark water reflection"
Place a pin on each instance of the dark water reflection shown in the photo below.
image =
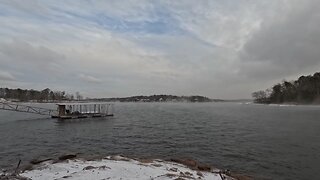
(269, 142)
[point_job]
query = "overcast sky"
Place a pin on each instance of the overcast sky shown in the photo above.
(216, 48)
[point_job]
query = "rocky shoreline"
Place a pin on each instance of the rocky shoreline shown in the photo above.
(117, 167)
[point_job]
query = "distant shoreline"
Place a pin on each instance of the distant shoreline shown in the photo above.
(289, 104)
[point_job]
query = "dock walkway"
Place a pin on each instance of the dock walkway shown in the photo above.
(27, 109)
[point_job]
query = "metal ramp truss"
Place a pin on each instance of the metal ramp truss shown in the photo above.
(27, 109)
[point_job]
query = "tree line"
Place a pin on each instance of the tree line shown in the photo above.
(160, 98)
(305, 90)
(45, 95)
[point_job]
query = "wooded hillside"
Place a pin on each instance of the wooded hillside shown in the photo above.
(304, 90)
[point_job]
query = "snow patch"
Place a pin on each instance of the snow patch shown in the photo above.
(119, 168)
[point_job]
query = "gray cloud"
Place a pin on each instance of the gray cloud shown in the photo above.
(22, 53)
(6, 76)
(90, 79)
(286, 46)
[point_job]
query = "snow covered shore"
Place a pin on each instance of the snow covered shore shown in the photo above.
(118, 167)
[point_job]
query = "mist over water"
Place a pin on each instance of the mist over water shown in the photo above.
(268, 142)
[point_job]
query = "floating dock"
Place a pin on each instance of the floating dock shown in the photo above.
(83, 110)
(64, 110)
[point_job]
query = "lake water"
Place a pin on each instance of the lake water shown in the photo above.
(268, 142)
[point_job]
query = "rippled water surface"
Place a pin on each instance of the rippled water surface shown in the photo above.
(268, 142)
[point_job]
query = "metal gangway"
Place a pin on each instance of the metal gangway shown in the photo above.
(27, 109)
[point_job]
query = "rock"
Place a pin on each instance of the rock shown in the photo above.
(187, 162)
(190, 163)
(147, 161)
(27, 167)
(12, 177)
(187, 175)
(65, 177)
(68, 156)
(179, 178)
(199, 174)
(38, 161)
(173, 169)
(156, 165)
(104, 167)
(240, 176)
(158, 160)
(171, 175)
(89, 168)
(204, 167)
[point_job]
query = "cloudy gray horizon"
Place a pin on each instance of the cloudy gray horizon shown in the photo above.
(220, 49)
